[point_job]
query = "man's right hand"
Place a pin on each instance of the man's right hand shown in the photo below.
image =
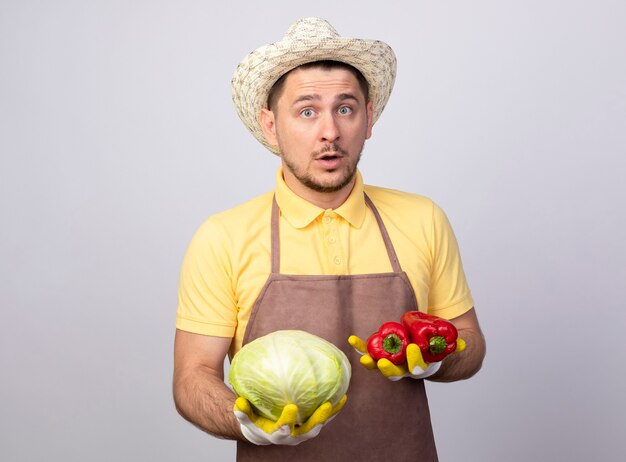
(262, 431)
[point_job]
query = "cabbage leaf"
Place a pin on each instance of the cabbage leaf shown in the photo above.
(289, 367)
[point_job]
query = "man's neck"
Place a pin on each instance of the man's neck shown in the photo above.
(324, 200)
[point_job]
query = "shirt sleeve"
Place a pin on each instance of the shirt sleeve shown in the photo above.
(206, 300)
(449, 295)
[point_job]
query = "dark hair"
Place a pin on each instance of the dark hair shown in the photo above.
(277, 88)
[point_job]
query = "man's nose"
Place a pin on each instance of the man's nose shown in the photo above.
(329, 130)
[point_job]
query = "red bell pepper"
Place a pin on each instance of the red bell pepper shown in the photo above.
(389, 342)
(435, 337)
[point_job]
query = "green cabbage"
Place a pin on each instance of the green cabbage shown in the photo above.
(289, 367)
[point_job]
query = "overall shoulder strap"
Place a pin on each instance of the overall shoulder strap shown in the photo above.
(393, 258)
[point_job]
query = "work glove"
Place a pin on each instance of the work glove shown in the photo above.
(262, 431)
(415, 366)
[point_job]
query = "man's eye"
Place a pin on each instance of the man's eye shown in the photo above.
(307, 113)
(345, 110)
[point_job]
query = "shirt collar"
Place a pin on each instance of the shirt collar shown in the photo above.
(300, 213)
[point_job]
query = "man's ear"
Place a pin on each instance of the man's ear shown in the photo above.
(370, 119)
(268, 125)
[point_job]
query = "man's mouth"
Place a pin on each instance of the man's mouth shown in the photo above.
(330, 160)
(330, 156)
(330, 152)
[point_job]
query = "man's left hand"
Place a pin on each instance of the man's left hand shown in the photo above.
(415, 366)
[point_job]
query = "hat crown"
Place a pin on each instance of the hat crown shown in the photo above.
(308, 28)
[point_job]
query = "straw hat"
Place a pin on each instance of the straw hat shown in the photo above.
(308, 40)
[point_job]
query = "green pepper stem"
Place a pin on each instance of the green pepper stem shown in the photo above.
(437, 344)
(392, 344)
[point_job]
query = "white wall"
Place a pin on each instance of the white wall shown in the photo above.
(118, 137)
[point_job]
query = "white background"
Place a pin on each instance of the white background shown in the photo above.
(118, 138)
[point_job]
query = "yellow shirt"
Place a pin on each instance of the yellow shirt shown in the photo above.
(228, 260)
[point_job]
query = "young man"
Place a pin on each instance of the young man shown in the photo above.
(348, 257)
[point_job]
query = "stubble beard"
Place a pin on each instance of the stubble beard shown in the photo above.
(308, 180)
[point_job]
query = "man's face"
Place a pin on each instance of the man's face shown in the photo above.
(320, 123)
